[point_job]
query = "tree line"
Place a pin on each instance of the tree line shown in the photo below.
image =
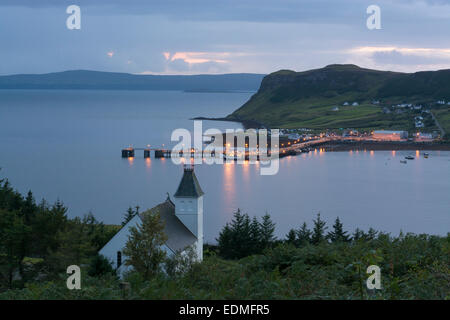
(39, 240)
(245, 236)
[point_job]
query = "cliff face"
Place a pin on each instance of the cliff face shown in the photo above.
(288, 92)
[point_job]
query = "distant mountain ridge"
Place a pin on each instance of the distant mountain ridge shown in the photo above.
(294, 99)
(97, 80)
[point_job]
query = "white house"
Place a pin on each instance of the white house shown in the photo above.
(183, 220)
(419, 124)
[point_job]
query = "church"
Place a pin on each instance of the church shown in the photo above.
(182, 217)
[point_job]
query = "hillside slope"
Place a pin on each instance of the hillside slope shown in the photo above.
(306, 99)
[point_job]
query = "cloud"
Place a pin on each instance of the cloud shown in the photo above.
(198, 57)
(194, 62)
(417, 57)
(402, 58)
(176, 36)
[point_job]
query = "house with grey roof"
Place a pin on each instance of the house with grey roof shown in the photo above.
(183, 223)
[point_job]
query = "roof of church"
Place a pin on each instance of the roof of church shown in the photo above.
(178, 235)
(189, 186)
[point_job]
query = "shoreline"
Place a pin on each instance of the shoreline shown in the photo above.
(351, 145)
(247, 124)
(384, 146)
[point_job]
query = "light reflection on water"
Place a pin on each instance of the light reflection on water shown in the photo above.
(381, 193)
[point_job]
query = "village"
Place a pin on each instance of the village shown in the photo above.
(425, 127)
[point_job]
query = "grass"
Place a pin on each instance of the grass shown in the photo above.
(443, 117)
(288, 99)
(318, 114)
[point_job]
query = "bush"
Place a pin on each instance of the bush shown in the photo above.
(100, 266)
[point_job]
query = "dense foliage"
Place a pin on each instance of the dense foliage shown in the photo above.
(245, 236)
(39, 241)
(143, 247)
(247, 263)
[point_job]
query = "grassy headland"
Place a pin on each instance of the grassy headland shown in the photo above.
(288, 99)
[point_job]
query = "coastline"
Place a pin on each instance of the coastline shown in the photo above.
(247, 124)
(383, 146)
(336, 146)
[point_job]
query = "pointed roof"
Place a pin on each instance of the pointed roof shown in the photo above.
(178, 235)
(189, 186)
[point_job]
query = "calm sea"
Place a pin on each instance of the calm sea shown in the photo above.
(66, 145)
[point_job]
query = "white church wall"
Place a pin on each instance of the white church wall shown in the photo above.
(200, 228)
(117, 244)
(186, 211)
(190, 211)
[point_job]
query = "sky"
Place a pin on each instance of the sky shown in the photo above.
(222, 36)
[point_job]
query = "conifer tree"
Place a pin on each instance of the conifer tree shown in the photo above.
(358, 235)
(291, 237)
(28, 212)
(318, 234)
(130, 215)
(13, 233)
(225, 242)
(267, 228)
(240, 238)
(255, 236)
(371, 234)
(241, 235)
(29, 208)
(338, 234)
(303, 235)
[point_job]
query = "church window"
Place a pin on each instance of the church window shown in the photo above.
(119, 259)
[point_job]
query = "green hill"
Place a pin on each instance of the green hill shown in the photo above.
(289, 99)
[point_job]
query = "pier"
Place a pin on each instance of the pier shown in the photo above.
(287, 149)
(158, 153)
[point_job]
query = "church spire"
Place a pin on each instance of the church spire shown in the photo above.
(189, 186)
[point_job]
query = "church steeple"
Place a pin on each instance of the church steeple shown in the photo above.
(188, 200)
(189, 186)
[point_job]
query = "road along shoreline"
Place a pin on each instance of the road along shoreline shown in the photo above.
(383, 146)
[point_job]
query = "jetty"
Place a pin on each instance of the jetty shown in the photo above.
(286, 148)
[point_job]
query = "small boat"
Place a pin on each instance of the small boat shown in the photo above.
(409, 158)
(426, 155)
(403, 161)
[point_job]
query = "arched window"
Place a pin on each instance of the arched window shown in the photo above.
(119, 259)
